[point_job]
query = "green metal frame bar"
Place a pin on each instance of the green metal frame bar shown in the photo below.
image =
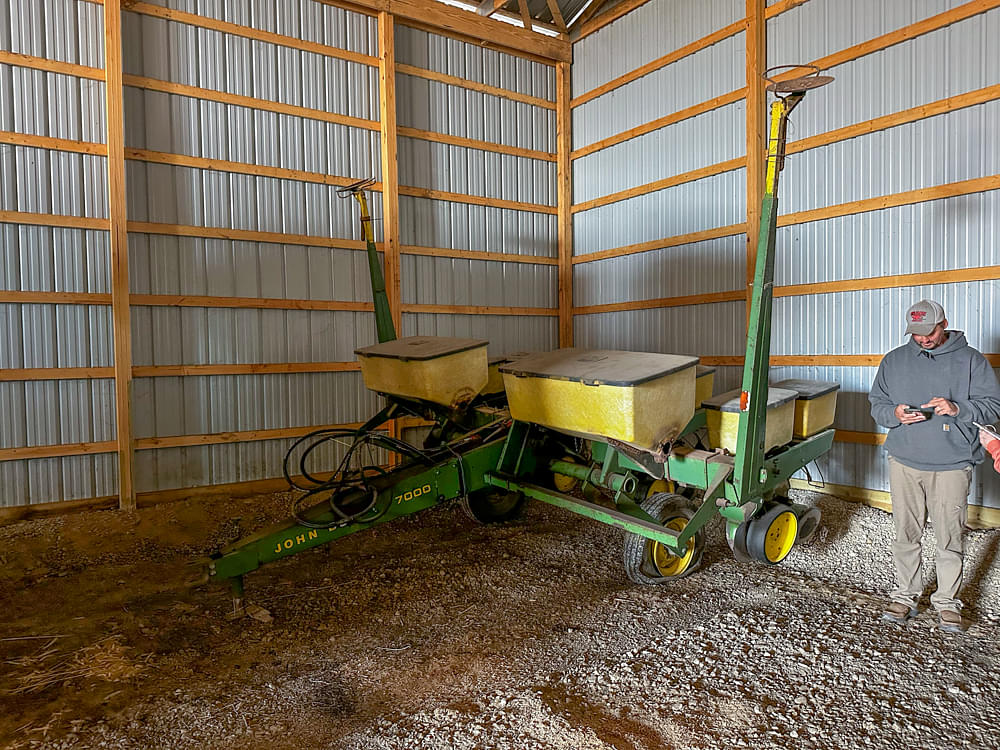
(401, 493)
(384, 327)
(748, 477)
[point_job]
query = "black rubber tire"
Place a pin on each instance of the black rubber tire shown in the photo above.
(638, 550)
(759, 528)
(492, 506)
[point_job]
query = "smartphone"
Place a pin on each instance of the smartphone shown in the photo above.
(989, 430)
(911, 410)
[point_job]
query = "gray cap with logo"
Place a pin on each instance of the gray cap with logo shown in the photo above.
(923, 317)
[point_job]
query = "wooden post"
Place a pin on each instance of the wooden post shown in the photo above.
(756, 126)
(390, 169)
(117, 224)
(390, 176)
(564, 182)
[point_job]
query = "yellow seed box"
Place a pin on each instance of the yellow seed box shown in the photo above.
(722, 413)
(640, 398)
(442, 370)
(815, 406)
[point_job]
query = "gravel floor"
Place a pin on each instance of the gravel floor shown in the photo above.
(435, 633)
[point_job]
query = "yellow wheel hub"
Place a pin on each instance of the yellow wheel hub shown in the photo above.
(780, 536)
(660, 485)
(666, 562)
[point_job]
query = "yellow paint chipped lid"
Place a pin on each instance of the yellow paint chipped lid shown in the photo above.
(599, 366)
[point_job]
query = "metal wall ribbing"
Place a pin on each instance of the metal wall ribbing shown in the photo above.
(180, 216)
(929, 239)
(41, 258)
(857, 245)
(163, 193)
(458, 111)
(714, 265)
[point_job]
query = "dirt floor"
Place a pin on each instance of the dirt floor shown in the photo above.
(434, 632)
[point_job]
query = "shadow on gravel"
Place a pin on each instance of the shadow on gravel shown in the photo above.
(977, 568)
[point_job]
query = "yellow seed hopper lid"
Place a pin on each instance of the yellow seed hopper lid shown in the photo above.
(420, 347)
(808, 389)
(598, 366)
(730, 400)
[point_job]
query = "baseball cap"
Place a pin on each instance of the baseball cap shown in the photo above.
(923, 316)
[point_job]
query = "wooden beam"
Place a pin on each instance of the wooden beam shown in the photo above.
(484, 255)
(476, 200)
(710, 298)
(951, 190)
(479, 310)
(564, 187)
(247, 303)
(644, 247)
(390, 165)
(950, 276)
(661, 122)
(53, 144)
(59, 221)
(245, 235)
(118, 242)
(455, 140)
(522, 7)
(661, 62)
(667, 182)
(923, 111)
(628, 6)
(255, 368)
(11, 375)
(247, 32)
(433, 75)
(756, 132)
(265, 105)
(489, 7)
(51, 66)
(466, 26)
(557, 16)
(926, 26)
(18, 297)
(583, 30)
(885, 41)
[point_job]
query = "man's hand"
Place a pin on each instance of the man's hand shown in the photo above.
(985, 438)
(942, 406)
(906, 418)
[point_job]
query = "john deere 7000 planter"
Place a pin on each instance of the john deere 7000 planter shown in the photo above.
(617, 436)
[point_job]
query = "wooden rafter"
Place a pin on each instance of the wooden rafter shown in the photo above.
(522, 6)
(557, 16)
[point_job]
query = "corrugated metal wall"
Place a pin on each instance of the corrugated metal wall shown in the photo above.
(172, 265)
(929, 238)
(926, 238)
(715, 265)
(457, 111)
(38, 258)
(175, 260)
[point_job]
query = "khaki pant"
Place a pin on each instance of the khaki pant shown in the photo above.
(941, 496)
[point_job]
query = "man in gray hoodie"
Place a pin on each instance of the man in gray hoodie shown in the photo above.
(929, 392)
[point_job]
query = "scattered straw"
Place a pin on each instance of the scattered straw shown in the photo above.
(106, 659)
